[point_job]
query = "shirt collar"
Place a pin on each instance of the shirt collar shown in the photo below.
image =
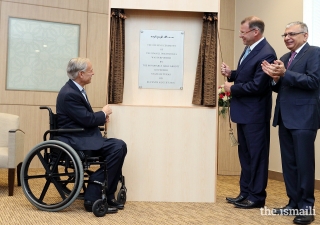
(299, 49)
(78, 85)
(255, 44)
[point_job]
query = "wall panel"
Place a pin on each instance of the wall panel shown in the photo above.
(99, 6)
(43, 13)
(227, 14)
(97, 52)
(228, 161)
(65, 4)
(169, 158)
(177, 5)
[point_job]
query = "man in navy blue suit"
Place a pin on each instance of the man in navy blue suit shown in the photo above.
(251, 109)
(296, 79)
(74, 111)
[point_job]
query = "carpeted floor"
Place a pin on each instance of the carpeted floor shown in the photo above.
(17, 209)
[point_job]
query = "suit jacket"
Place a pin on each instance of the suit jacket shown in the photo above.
(298, 90)
(73, 111)
(251, 93)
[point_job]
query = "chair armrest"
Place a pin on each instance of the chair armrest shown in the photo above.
(73, 130)
(15, 147)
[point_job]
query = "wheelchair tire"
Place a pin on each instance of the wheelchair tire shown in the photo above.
(122, 196)
(58, 179)
(100, 208)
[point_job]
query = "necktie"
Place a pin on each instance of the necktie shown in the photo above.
(248, 50)
(85, 95)
(293, 54)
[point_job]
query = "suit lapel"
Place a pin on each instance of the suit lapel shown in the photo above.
(73, 86)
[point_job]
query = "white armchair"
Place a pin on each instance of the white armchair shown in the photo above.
(11, 147)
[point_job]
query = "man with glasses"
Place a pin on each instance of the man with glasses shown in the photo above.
(251, 110)
(296, 79)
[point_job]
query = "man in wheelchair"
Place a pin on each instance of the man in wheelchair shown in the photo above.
(74, 111)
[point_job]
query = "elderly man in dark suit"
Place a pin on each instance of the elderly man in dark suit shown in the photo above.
(251, 110)
(296, 79)
(74, 111)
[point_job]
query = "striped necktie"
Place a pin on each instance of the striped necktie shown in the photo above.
(293, 54)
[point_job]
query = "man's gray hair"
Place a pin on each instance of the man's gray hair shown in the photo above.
(302, 25)
(75, 65)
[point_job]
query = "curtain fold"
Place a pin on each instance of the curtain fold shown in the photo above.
(205, 82)
(116, 58)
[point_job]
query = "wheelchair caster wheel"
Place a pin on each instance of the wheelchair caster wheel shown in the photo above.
(100, 208)
(122, 196)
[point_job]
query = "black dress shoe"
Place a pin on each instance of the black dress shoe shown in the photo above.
(303, 219)
(239, 198)
(112, 210)
(115, 204)
(88, 207)
(286, 211)
(247, 204)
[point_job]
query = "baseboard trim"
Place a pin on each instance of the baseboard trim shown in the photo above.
(278, 176)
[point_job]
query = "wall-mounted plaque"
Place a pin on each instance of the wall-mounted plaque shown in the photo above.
(161, 59)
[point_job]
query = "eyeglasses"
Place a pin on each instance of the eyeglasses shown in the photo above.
(243, 33)
(292, 34)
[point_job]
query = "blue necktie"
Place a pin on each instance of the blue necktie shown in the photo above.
(85, 95)
(248, 50)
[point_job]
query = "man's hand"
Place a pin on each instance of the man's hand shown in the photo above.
(107, 110)
(225, 70)
(274, 70)
(227, 86)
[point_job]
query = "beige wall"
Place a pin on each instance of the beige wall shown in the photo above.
(275, 18)
(92, 16)
(228, 161)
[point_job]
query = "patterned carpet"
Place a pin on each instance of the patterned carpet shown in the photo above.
(18, 210)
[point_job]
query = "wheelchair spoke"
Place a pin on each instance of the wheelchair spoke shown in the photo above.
(44, 191)
(59, 188)
(43, 162)
(35, 177)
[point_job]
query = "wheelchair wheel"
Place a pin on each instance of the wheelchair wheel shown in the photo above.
(100, 208)
(122, 196)
(58, 179)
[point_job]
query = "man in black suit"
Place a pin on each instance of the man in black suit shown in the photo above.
(251, 109)
(296, 79)
(74, 111)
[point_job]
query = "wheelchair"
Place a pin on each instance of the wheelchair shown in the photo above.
(64, 173)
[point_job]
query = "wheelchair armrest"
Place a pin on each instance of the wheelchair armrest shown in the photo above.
(73, 130)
